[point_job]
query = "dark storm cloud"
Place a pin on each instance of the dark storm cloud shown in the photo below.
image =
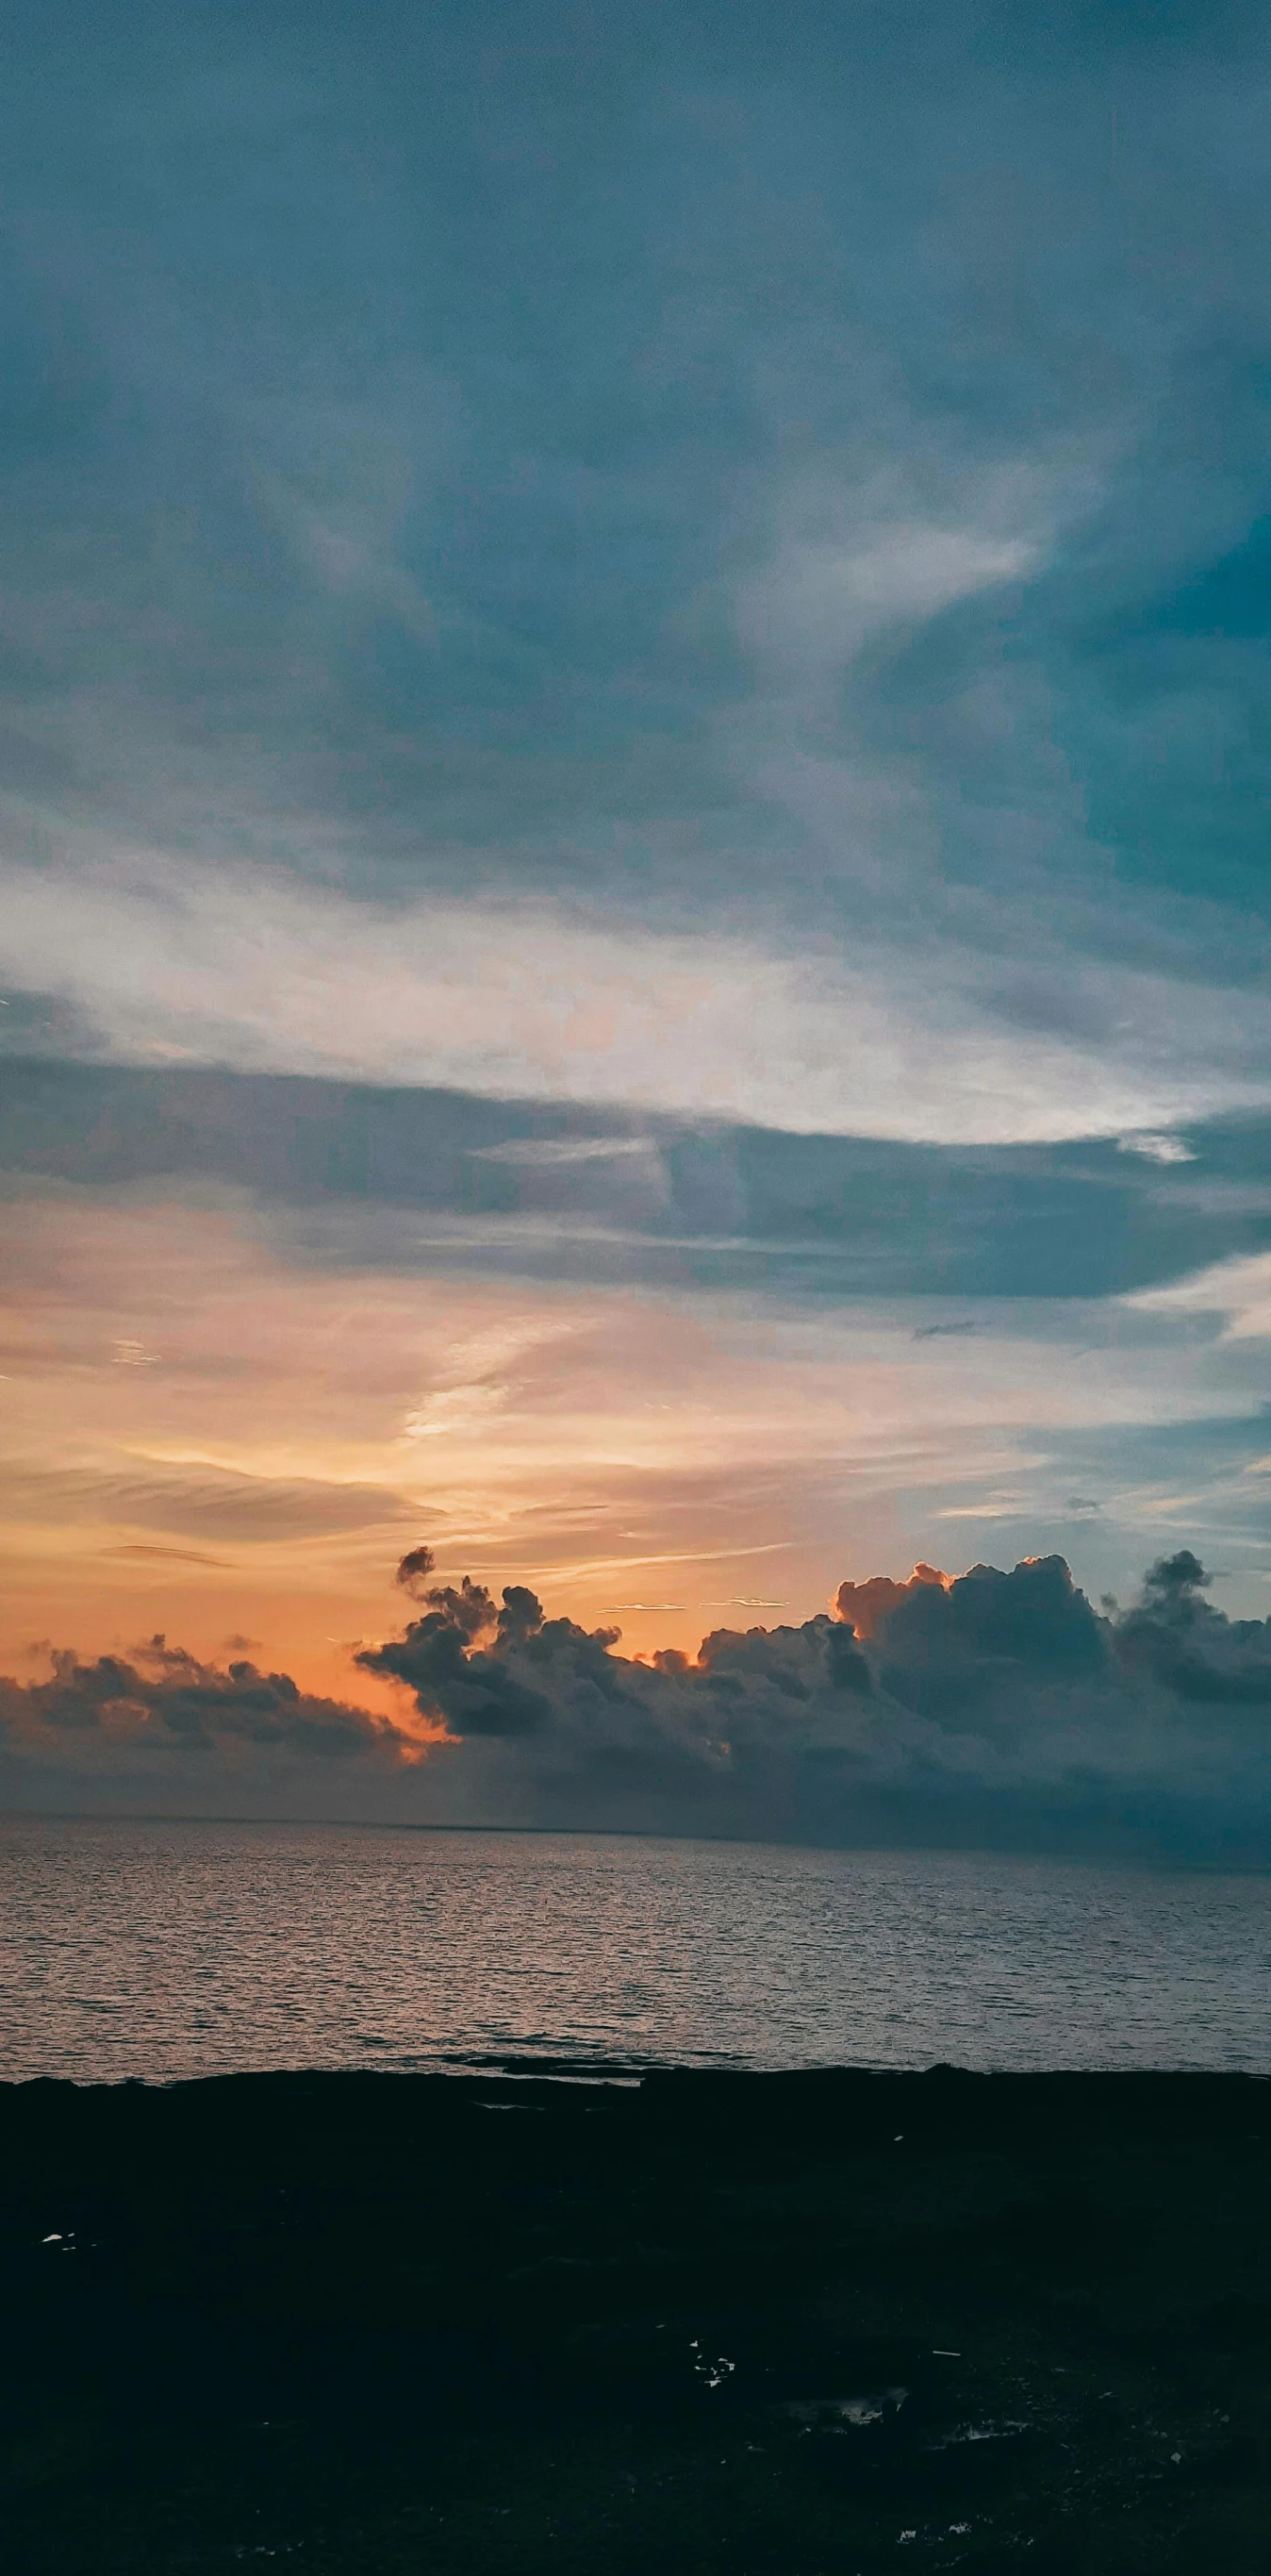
(997, 1706)
(1177, 1640)
(414, 1570)
(440, 1660)
(955, 1652)
(163, 1698)
(999, 1702)
(866, 1605)
(476, 1694)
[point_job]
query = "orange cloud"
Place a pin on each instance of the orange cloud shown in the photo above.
(865, 1605)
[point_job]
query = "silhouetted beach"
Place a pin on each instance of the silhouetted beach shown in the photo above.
(766, 2324)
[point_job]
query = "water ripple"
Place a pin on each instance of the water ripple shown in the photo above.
(163, 1950)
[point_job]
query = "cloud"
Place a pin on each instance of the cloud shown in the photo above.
(546, 1153)
(1187, 1648)
(996, 1705)
(994, 1702)
(817, 602)
(1157, 1149)
(305, 1404)
(345, 1176)
(866, 1605)
(914, 409)
(811, 675)
(198, 964)
(196, 1498)
(167, 1555)
(161, 1700)
(1239, 1290)
(453, 1679)
(414, 1570)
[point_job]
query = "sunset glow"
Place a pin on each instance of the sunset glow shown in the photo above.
(632, 945)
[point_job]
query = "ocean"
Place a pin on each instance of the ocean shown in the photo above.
(163, 1950)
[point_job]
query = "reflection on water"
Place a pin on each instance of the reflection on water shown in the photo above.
(164, 1950)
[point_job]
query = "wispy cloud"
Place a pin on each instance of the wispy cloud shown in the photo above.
(1238, 1290)
(185, 965)
(818, 600)
(630, 749)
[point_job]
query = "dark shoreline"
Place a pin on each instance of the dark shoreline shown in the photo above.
(764, 2324)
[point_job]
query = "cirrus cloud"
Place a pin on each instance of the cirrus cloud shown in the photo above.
(240, 968)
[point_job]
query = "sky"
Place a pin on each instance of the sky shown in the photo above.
(634, 912)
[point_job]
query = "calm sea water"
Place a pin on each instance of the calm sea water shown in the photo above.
(165, 1950)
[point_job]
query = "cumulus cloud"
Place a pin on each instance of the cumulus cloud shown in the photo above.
(1187, 1648)
(162, 1699)
(475, 1692)
(994, 1705)
(999, 1698)
(414, 1570)
(865, 1604)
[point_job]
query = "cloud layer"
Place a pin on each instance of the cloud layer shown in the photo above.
(805, 669)
(633, 903)
(98, 1714)
(997, 1701)
(516, 999)
(995, 1705)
